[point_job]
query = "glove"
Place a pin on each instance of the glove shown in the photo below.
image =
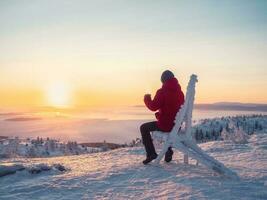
(147, 96)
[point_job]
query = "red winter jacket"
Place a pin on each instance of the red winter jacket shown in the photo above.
(167, 101)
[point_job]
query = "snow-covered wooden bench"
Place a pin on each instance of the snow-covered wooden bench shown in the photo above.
(183, 140)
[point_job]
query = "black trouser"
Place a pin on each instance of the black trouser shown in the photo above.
(145, 130)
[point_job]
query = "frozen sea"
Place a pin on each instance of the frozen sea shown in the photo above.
(117, 124)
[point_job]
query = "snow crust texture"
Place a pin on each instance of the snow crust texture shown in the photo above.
(119, 174)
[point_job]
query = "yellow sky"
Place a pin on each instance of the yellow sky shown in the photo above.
(74, 53)
(119, 86)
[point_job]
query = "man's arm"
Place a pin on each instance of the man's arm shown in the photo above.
(156, 103)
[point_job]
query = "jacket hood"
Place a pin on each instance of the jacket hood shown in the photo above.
(171, 84)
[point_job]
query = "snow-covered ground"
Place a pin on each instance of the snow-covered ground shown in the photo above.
(119, 174)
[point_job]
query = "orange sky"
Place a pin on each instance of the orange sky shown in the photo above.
(72, 54)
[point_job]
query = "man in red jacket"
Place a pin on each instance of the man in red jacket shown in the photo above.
(167, 102)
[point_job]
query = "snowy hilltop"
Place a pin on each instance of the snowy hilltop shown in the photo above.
(119, 174)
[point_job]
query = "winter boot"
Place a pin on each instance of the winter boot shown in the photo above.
(150, 151)
(168, 155)
(149, 159)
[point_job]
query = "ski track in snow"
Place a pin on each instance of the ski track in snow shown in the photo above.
(119, 174)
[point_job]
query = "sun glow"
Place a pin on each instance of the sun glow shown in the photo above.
(58, 95)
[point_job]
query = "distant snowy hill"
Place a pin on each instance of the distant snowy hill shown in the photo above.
(119, 174)
(237, 106)
(233, 106)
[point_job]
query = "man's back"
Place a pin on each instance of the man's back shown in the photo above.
(173, 99)
(167, 101)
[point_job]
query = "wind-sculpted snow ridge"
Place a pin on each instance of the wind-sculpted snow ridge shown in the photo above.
(120, 174)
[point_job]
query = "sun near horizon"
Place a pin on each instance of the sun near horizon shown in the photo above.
(58, 95)
(68, 54)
